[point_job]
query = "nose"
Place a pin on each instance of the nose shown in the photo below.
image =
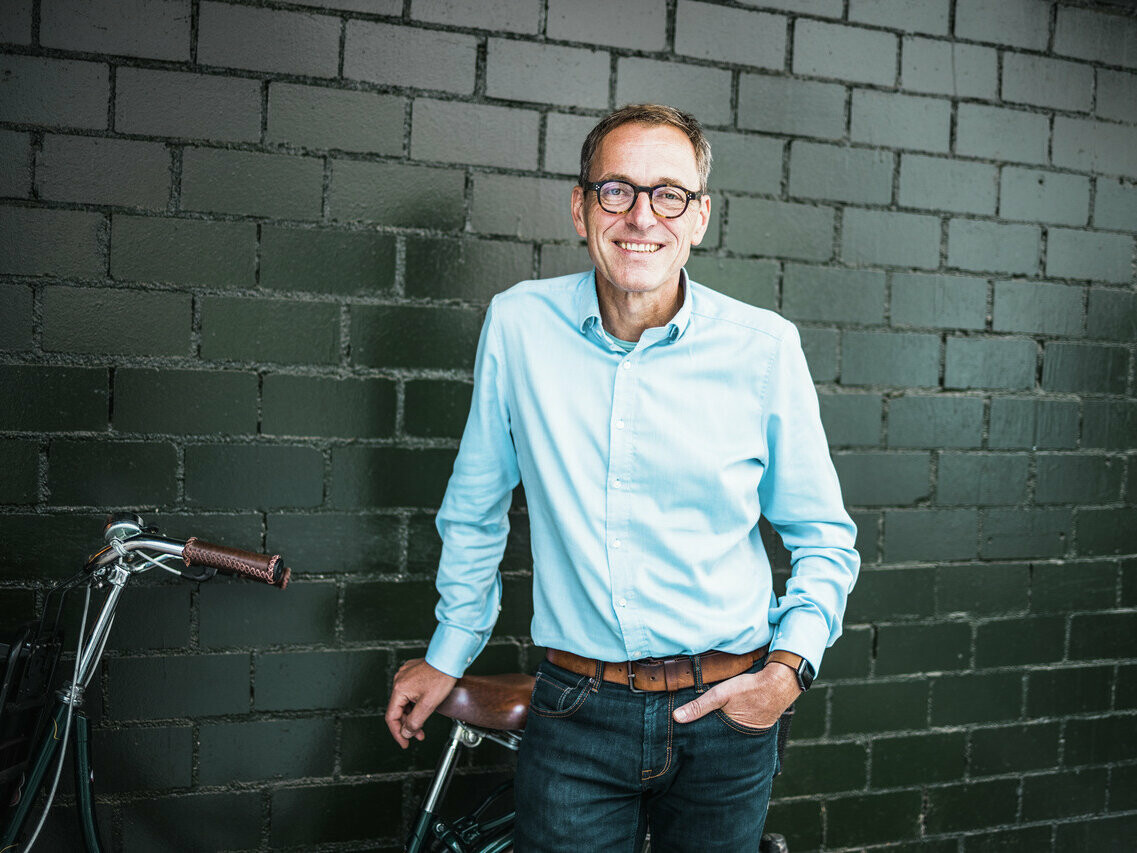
(641, 215)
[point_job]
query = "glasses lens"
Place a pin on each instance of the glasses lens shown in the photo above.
(616, 196)
(669, 201)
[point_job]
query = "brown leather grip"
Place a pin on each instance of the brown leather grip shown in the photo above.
(269, 568)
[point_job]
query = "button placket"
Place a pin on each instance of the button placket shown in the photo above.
(621, 556)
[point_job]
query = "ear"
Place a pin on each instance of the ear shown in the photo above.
(578, 210)
(704, 214)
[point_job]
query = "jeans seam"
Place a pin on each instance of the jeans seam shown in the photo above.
(566, 712)
(738, 727)
(647, 775)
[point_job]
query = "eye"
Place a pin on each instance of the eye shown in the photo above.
(670, 195)
(614, 191)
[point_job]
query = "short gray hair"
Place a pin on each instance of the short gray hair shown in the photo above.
(649, 114)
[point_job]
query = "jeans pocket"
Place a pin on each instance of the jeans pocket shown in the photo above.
(558, 692)
(734, 724)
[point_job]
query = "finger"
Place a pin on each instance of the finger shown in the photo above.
(698, 707)
(414, 721)
(395, 720)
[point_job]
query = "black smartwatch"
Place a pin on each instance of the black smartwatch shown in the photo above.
(801, 667)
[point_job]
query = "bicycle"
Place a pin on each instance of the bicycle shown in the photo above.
(29, 735)
(494, 708)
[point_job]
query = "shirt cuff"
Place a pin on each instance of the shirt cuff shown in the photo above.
(802, 633)
(453, 649)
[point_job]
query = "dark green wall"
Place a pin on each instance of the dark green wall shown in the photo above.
(245, 248)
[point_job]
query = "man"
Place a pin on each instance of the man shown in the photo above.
(651, 421)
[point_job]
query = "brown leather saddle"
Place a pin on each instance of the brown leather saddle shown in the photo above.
(490, 701)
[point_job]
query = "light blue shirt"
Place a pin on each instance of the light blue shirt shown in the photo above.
(645, 474)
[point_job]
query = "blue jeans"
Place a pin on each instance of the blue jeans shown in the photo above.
(599, 764)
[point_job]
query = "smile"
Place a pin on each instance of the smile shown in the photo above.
(638, 247)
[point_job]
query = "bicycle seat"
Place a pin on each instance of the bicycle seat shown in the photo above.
(490, 701)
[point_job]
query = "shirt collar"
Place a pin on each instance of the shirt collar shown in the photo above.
(588, 306)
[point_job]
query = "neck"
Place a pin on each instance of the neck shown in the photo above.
(627, 314)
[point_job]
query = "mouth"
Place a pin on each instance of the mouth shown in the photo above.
(639, 248)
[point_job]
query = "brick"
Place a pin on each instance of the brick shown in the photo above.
(1078, 479)
(745, 162)
(1089, 254)
(175, 686)
(235, 817)
(751, 281)
(1056, 589)
(1044, 424)
(67, 311)
(269, 330)
(1110, 424)
(1117, 95)
(1058, 795)
(374, 7)
(982, 479)
(818, 8)
(130, 174)
(993, 246)
(1030, 838)
(851, 658)
(843, 763)
(1039, 196)
(143, 759)
(570, 260)
(368, 543)
(183, 251)
(790, 106)
(407, 336)
(701, 90)
(955, 302)
(1001, 134)
(268, 40)
(1047, 82)
(879, 707)
(762, 227)
(366, 477)
(948, 68)
(886, 358)
(923, 648)
(975, 697)
(981, 589)
(1098, 741)
(881, 478)
(1106, 531)
(16, 25)
(153, 617)
(857, 175)
(1017, 642)
(366, 746)
(1095, 146)
(870, 818)
(436, 408)
(310, 816)
(54, 92)
(1109, 39)
(326, 261)
(15, 164)
(1092, 368)
(15, 317)
(325, 118)
(1023, 23)
(1068, 690)
(1023, 533)
(935, 422)
(539, 207)
(847, 53)
(464, 269)
(1124, 788)
(1029, 306)
(931, 17)
(930, 534)
(388, 611)
(296, 681)
(397, 194)
(1115, 205)
(868, 528)
(247, 751)
(935, 183)
(252, 183)
(1013, 749)
(253, 475)
(820, 348)
(46, 399)
(471, 133)
(891, 239)
(643, 26)
(71, 532)
(563, 137)
(407, 56)
(159, 30)
(545, 73)
(194, 106)
(184, 402)
(900, 121)
(19, 460)
(518, 16)
(974, 805)
(328, 406)
(241, 614)
(892, 593)
(851, 419)
(918, 759)
(1112, 314)
(36, 241)
(724, 35)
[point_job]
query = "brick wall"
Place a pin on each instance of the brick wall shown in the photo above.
(245, 248)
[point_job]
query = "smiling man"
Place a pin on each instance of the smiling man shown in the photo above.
(652, 422)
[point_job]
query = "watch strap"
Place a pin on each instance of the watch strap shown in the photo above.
(801, 667)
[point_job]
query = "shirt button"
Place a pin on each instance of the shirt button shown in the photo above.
(615, 543)
(627, 365)
(619, 424)
(616, 483)
(623, 602)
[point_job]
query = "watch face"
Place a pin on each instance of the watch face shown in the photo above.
(805, 675)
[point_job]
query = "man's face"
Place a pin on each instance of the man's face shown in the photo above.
(637, 251)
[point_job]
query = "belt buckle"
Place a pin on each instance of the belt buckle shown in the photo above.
(632, 679)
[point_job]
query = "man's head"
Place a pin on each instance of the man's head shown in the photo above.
(642, 248)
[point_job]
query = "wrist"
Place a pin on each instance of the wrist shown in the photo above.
(801, 669)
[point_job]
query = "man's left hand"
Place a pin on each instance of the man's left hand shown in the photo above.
(755, 700)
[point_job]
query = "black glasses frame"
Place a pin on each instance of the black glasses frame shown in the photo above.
(637, 189)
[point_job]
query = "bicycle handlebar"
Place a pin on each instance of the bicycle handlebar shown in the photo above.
(269, 568)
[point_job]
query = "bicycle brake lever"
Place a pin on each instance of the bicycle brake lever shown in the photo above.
(196, 573)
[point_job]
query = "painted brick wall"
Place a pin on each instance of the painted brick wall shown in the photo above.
(245, 248)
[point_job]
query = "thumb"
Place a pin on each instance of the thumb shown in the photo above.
(700, 706)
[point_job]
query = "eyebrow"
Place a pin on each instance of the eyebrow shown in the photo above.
(674, 182)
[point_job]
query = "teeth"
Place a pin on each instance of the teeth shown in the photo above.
(639, 247)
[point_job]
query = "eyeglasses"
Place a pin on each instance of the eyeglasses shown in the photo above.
(667, 201)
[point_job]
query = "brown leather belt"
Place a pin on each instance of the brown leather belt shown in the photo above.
(654, 675)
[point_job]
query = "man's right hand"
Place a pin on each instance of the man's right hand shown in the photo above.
(419, 688)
